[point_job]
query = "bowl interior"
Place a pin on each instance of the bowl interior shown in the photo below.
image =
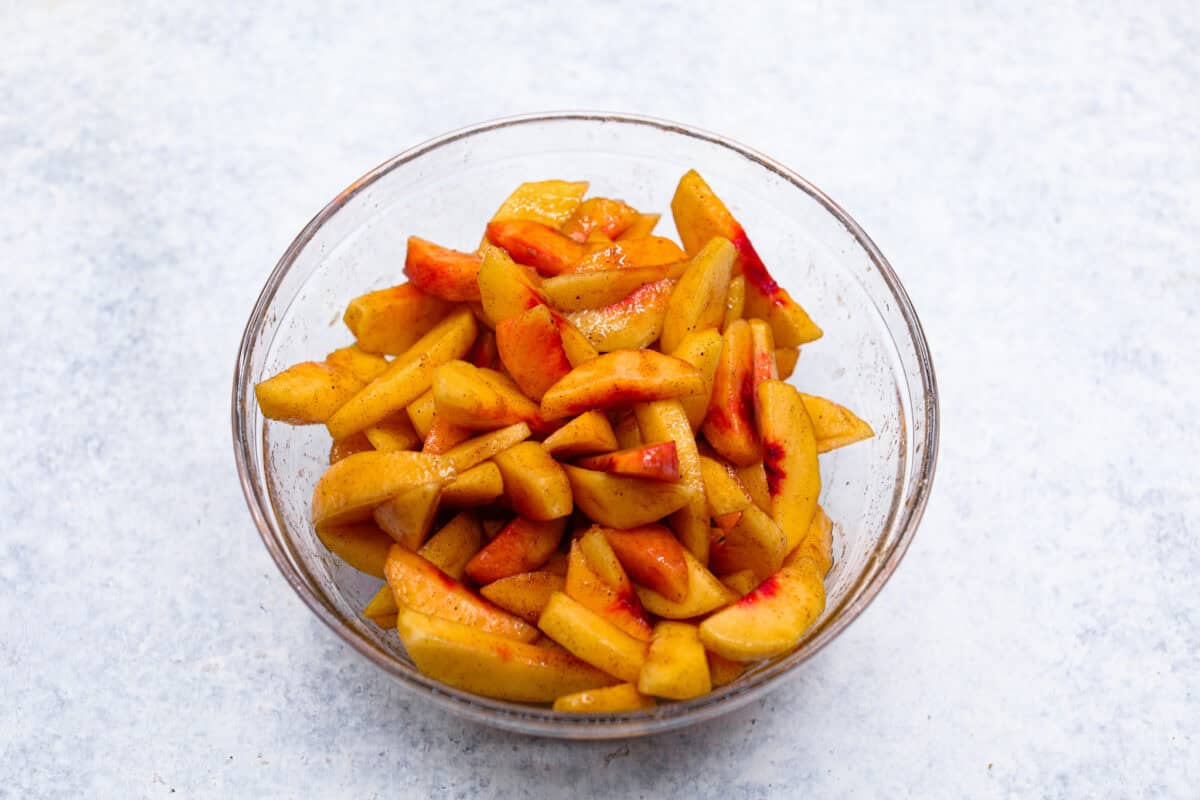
(872, 358)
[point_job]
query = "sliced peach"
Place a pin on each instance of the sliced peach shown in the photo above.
(605, 215)
(653, 557)
(675, 667)
(491, 665)
(506, 288)
(620, 378)
(362, 545)
(602, 559)
(817, 544)
(354, 443)
(481, 448)
(723, 492)
(618, 604)
(770, 620)
(536, 245)
(626, 429)
(382, 608)
(394, 432)
(477, 486)
(789, 458)
(423, 587)
(534, 483)
(655, 461)
(834, 425)
(420, 413)
(704, 594)
(524, 594)
(592, 638)
(666, 419)
(548, 202)
(351, 489)
(306, 394)
(479, 399)
(408, 516)
(729, 426)
(407, 377)
(608, 700)
(454, 545)
(531, 349)
(615, 501)
(391, 320)
(754, 480)
(698, 300)
(755, 543)
(442, 272)
(590, 432)
(358, 362)
(578, 349)
(443, 436)
(484, 353)
(699, 213)
(722, 670)
(576, 291)
(762, 348)
(628, 324)
(702, 350)
(646, 252)
(735, 301)
(742, 582)
(641, 227)
(786, 358)
(522, 545)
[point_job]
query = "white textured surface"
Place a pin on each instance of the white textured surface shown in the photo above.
(1033, 174)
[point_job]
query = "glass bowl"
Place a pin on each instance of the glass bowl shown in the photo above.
(873, 357)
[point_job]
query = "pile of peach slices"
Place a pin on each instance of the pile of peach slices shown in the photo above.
(593, 424)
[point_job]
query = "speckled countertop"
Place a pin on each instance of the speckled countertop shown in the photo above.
(1032, 173)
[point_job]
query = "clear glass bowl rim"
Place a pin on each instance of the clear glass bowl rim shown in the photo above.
(537, 720)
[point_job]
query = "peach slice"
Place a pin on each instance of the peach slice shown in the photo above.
(722, 670)
(703, 351)
(506, 288)
(442, 272)
(444, 436)
(723, 492)
(786, 358)
(362, 545)
(525, 594)
(578, 349)
(789, 458)
(391, 320)
(653, 557)
(762, 348)
(616, 603)
(666, 419)
(382, 608)
(407, 377)
(535, 484)
(454, 545)
(729, 426)
(590, 432)
(699, 216)
(770, 620)
(351, 489)
(536, 245)
(742, 582)
(628, 324)
(358, 362)
(817, 544)
(423, 587)
(754, 480)
(490, 665)
(609, 700)
(408, 516)
(641, 227)
(755, 543)
(675, 667)
(605, 215)
(478, 486)
(548, 202)
(620, 378)
(576, 291)
(522, 545)
(393, 433)
(479, 399)
(306, 394)
(698, 300)
(655, 461)
(834, 425)
(615, 501)
(735, 302)
(626, 429)
(592, 638)
(354, 443)
(420, 413)
(531, 349)
(484, 353)
(481, 448)
(704, 594)
(650, 251)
